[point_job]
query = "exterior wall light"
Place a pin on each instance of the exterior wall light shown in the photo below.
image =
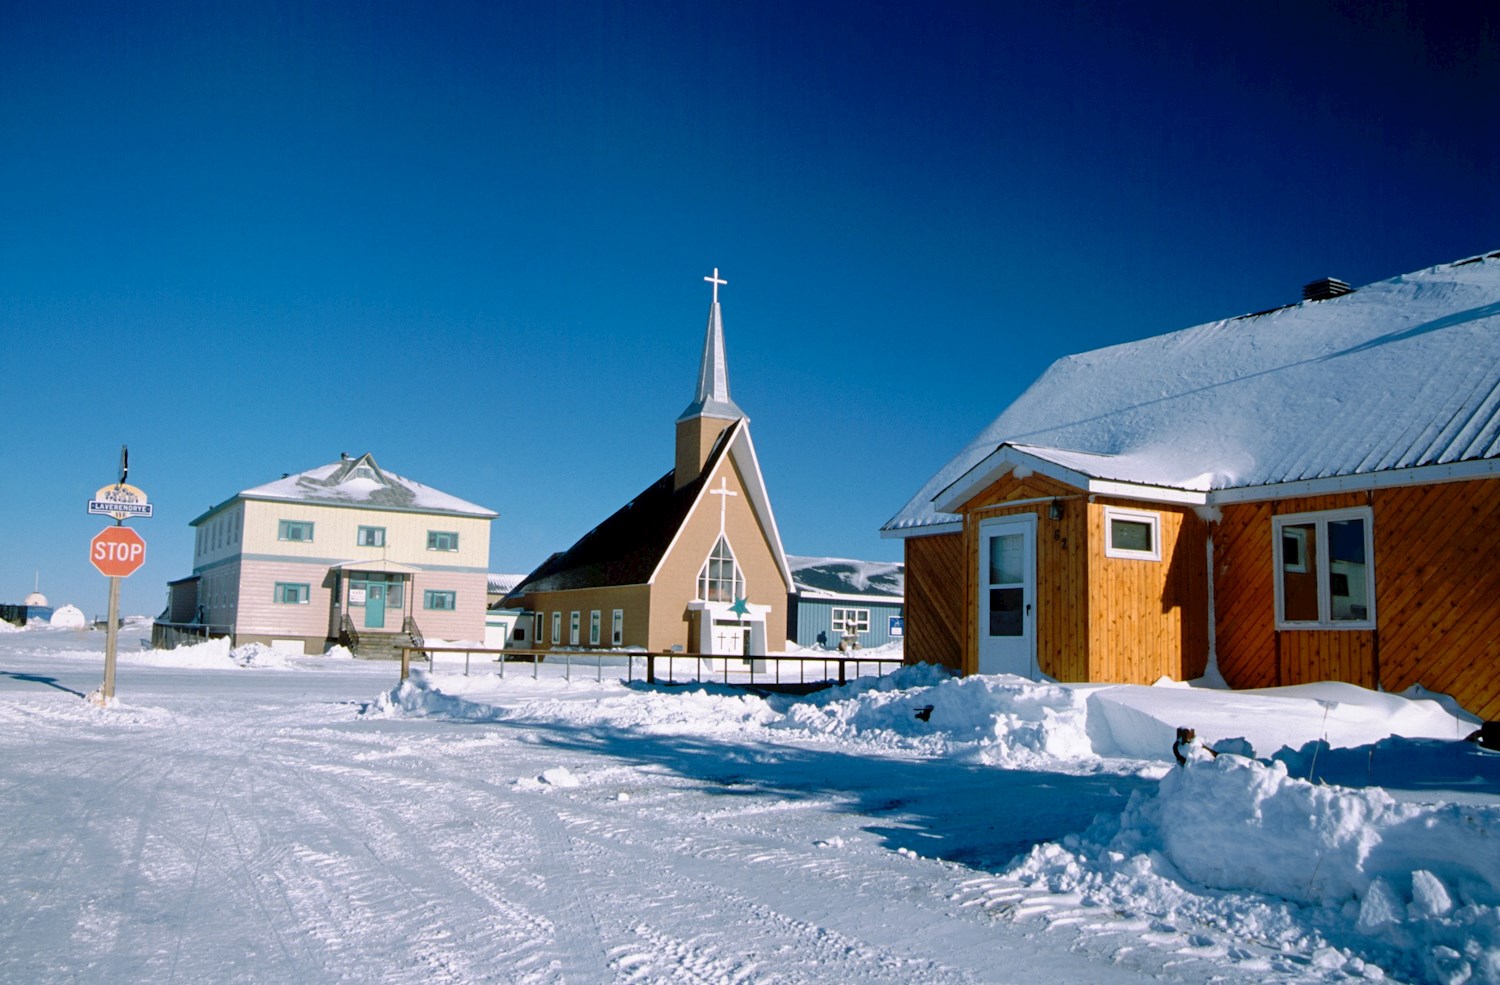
(1055, 510)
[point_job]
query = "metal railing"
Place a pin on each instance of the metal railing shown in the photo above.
(170, 635)
(734, 670)
(348, 635)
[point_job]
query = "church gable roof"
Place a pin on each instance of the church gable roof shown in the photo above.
(628, 546)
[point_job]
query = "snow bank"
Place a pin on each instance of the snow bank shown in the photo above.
(1414, 886)
(999, 720)
(416, 697)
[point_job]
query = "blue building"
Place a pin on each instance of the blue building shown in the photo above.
(841, 602)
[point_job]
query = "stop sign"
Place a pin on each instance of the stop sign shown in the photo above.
(117, 551)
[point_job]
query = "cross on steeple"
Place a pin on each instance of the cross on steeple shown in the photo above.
(715, 280)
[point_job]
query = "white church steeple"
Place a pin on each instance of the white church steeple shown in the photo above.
(712, 409)
(712, 398)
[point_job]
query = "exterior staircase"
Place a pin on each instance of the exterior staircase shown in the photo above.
(369, 644)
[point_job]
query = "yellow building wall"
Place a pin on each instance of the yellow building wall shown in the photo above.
(677, 577)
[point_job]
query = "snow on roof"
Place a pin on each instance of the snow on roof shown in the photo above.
(836, 576)
(501, 584)
(1398, 374)
(360, 482)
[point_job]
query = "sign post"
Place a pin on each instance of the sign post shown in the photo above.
(117, 552)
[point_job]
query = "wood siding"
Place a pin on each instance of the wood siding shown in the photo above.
(935, 594)
(1437, 590)
(1062, 596)
(1437, 597)
(1149, 617)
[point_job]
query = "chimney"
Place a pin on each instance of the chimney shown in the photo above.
(1325, 289)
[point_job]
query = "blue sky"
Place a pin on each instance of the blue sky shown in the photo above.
(469, 238)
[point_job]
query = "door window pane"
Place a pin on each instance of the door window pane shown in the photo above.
(1005, 611)
(1005, 559)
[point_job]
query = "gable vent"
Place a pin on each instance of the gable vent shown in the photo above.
(1322, 290)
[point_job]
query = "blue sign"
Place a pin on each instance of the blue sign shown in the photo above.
(898, 625)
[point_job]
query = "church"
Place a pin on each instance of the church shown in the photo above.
(692, 564)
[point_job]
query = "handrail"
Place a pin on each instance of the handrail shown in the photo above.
(348, 635)
(651, 656)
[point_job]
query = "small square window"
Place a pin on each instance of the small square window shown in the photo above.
(295, 530)
(439, 600)
(1133, 534)
(288, 593)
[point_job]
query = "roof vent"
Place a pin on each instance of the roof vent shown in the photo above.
(1322, 290)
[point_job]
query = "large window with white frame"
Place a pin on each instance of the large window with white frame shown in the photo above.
(1325, 570)
(595, 626)
(720, 579)
(574, 625)
(557, 627)
(617, 628)
(1132, 534)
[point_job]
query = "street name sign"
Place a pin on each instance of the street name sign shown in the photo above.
(121, 501)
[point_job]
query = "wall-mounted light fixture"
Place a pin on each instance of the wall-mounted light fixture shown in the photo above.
(1055, 510)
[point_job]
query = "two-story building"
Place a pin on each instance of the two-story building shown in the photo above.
(343, 553)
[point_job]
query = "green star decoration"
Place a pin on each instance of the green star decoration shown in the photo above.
(740, 608)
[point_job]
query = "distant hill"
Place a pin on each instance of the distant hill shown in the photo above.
(843, 576)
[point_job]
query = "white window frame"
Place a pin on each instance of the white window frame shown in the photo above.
(1150, 519)
(1320, 520)
(557, 627)
(617, 628)
(540, 623)
(595, 626)
(575, 625)
(708, 584)
(842, 617)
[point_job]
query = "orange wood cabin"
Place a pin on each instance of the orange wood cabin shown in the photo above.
(1354, 538)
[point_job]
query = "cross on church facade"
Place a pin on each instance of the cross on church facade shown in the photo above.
(724, 492)
(716, 281)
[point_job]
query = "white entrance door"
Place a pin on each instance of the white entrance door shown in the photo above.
(1007, 596)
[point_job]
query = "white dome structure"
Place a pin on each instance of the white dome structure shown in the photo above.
(69, 617)
(35, 598)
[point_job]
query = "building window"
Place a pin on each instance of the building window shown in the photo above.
(299, 530)
(720, 579)
(557, 627)
(520, 634)
(850, 622)
(1325, 572)
(573, 626)
(1134, 534)
(442, 540)
(444, 601)
(538, 623)
(617, 628)
(371, 537)
(594, 626)
(288, 593)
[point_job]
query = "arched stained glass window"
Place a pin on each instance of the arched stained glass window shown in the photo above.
(720, 580)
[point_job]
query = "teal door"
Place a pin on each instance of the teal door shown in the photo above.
(375, 605)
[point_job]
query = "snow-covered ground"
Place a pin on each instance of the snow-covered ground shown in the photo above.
(258, 817)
